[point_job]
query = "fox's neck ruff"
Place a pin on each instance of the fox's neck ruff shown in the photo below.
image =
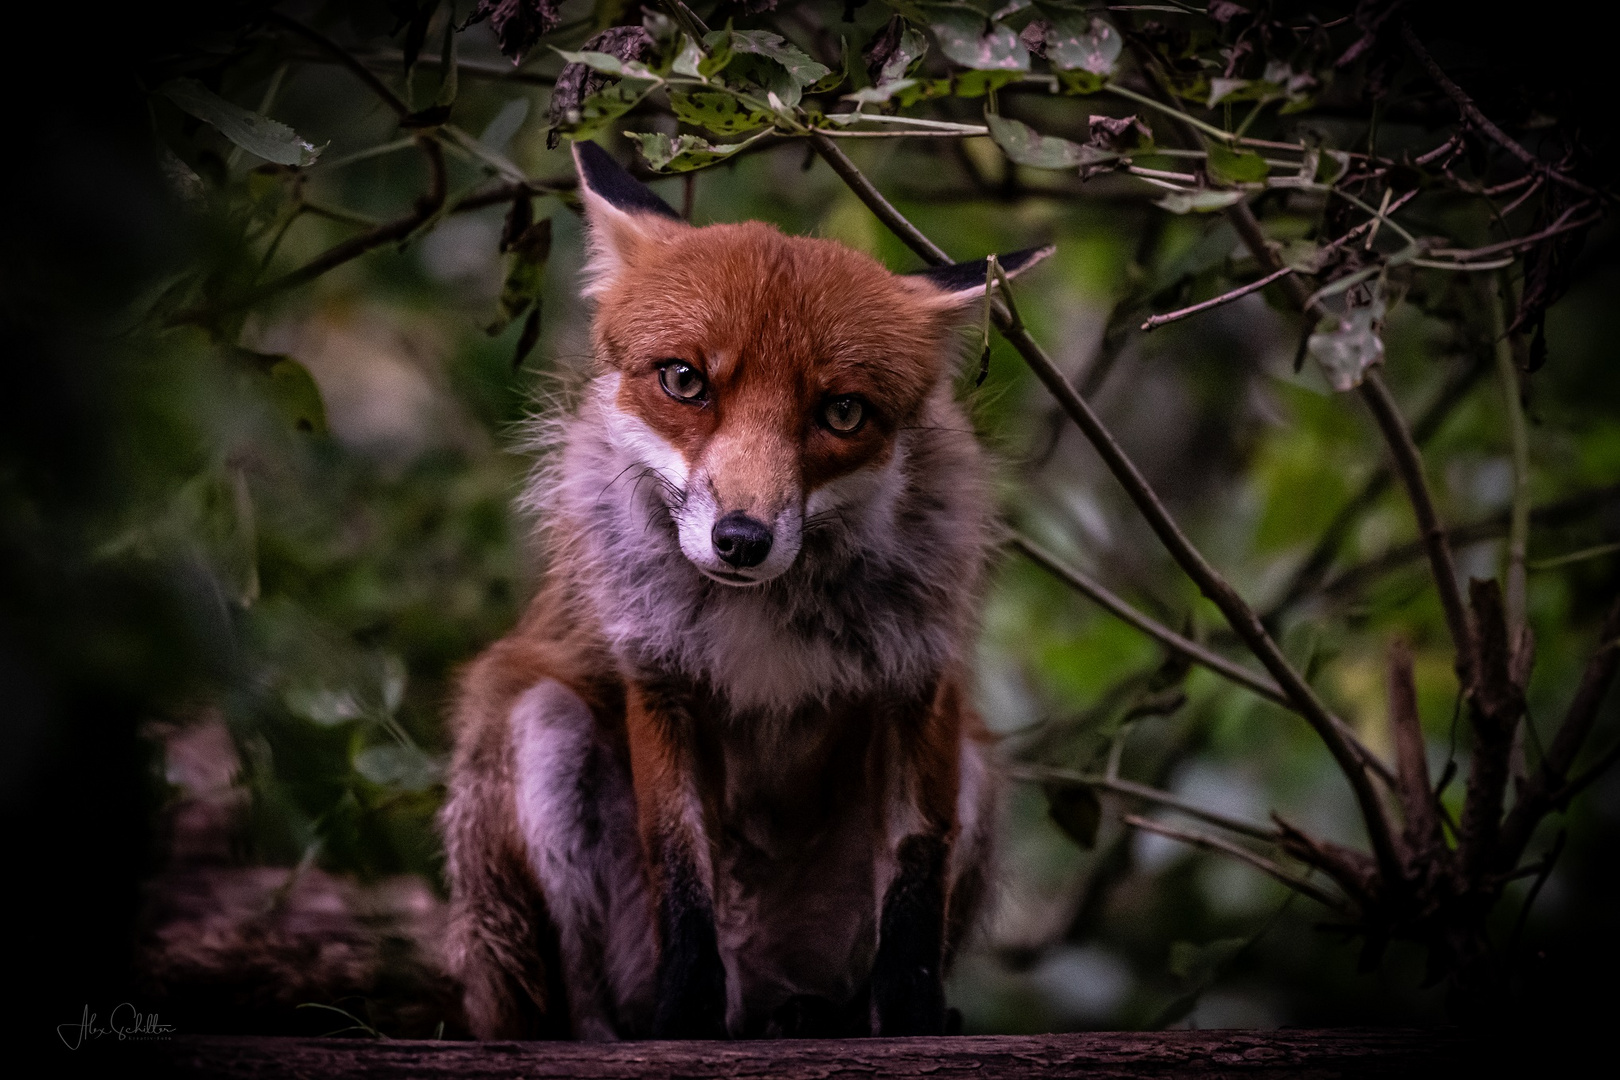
(878, 600)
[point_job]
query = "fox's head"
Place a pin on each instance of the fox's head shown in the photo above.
(765, 379)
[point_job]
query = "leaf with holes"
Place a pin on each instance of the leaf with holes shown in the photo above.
(602, 108)
(719, 112)
(684, 152)
(800, 68)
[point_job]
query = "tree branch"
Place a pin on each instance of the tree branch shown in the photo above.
(1423, 835)
(1044, 773)
(1466, 106)
(1489, 528)
(1238, 614)
(1215, 302)
(1315, 566)
(344, 57)
(1186, 647)
(1547, 788)
(1403, 452)
(1242, 854)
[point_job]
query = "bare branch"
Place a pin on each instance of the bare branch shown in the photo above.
(346, 58)
(1409, 467)
(1315, 566)
(1519, 440)
(1561, 225)
(1243, 854)
(1044, 773)
(1489, 528)
(1186, 647)
(1403, 451)
(1167, 637)
(1215, 302)
(1547, 788)
(1238, 614)
(1423, 835)
(1496, 704)
(1466, 106)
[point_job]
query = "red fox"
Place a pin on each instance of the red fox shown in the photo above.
(724, 778)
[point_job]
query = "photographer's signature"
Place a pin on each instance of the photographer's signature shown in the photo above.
(124, 1023)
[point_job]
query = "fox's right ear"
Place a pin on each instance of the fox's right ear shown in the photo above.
(621, 211)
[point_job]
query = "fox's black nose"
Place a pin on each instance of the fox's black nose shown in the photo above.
(740, 540)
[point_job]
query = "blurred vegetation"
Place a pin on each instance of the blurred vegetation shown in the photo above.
(246, 479)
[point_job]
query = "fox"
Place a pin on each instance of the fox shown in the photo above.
(724, 779)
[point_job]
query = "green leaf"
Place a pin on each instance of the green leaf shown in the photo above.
(1227, 90)
(720, 54)
(877, 95)
(1081, 82)
(968, 38)
(1076, 810)
(498, 133)
(603, 107)
(1332, 165)
(833, 79)
(1236, 166)
(1025, 145)
(296, 396)
(908, 53)
(685, 152)
(689, 61)
(1201, 202)
(1345, 348)
(525, 275)
(800, 68)
(403, 767)
(1075, 42)
(258, 135)
(322, 706)
(717, 111)
(964, 84)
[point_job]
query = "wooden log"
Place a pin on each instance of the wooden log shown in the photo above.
(1318, 1055)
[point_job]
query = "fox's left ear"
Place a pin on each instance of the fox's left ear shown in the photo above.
(621, 211)
(960, 284)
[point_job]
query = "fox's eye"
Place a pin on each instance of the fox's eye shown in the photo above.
(844, 414)
(683, 382)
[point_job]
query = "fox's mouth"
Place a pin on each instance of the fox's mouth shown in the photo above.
(728, 578)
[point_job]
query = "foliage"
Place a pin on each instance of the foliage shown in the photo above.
(1310, 196)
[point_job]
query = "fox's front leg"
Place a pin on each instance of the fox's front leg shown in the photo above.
(691, 982)
(921, 772)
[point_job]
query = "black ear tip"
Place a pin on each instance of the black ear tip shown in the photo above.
(966, 275)
(607, 178)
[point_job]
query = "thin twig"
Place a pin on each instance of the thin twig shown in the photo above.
(1045, 773)
(1475, 532)
(346, 58)
(1315, 566)
(1547, 787)
(1167, 637)
(1403, 452)
(1409, 467)
(1239, 852)
(1561, 225)
(1186, 647)
(1519, 440)
(1238, 614)
(1215, 302)
(1466, 106)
